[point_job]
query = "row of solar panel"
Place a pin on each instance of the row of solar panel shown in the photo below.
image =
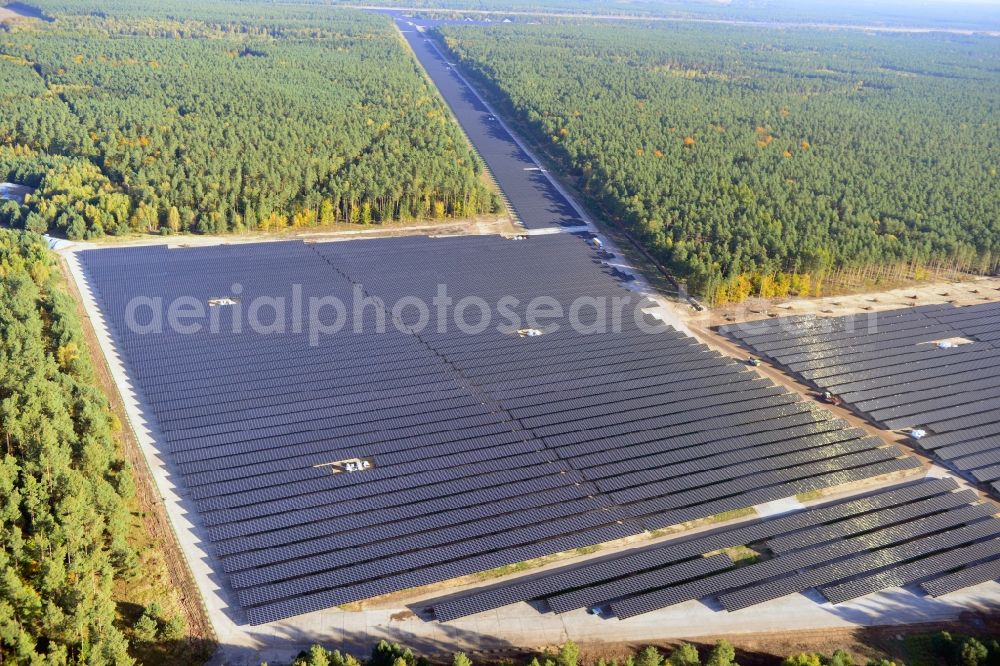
(932, 368)
(369, 537)
(155, 361)
(462, 453)
(916, 533)
(679, 550)
(534, 199)
(844, 435)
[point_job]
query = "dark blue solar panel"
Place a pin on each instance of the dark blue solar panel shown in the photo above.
(934, 368)
(484, 449)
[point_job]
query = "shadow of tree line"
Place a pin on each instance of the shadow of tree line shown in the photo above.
(970, 641)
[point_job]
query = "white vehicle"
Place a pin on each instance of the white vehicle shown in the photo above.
(349, 465)
(357, 465)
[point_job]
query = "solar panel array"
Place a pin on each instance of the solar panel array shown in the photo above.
(487, 448)
(533, 198)
(928, 531)
(934, 368)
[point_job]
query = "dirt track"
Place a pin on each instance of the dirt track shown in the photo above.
(729, 348)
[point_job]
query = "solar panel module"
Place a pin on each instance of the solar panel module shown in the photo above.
(333, 466)
(534, 199)
(932, 370)
(869, 543)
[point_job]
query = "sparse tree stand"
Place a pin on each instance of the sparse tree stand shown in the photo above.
(942, 648)
(174, 220)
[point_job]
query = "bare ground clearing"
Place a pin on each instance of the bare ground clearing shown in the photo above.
(483, 225)
(968, 292)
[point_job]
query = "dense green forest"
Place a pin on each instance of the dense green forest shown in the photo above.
(80, 581)
(754, 161)
(64, 513)
(192, 117)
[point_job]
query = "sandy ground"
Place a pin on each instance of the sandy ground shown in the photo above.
(522, 626)
(970, 292)
(466, 227)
